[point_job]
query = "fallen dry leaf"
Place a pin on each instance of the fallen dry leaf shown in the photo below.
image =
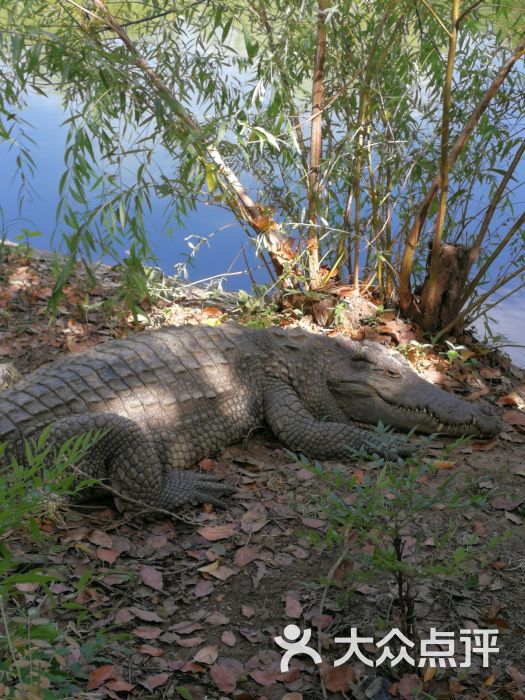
(514, 417)
(229, 638)
(490, 373)
(119, 686)
(400, 331)
(207, 655)
(248, 611)
(100, 675)
(190, 642)
(151, 577)
(489, 680)
(245, 555)
(109, 556)
(484, 446)
(429, 674)
(223, 677)
(506, 503)
(409, 686)
(151, 651)
(223, 572)
(338, 679)
(511, 399)
(147, 632)
(294, 608)
(217, 618)
(213, 533)
(202, 589)
(516, 675)
(155, 681)
(266, 676)
(209, 567)
(101, 539)
(316, 523)
(455, 687)
(123, 615)
(254, 519)
(442, 464)
(321, 621)
(146, 615)
(186, 627)
(513, 518)
(212, 312)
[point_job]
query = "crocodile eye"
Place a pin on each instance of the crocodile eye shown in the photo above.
(392, 373)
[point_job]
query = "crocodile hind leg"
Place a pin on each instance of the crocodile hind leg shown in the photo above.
(127, 460)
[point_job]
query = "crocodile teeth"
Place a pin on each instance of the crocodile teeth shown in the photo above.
(441, 427)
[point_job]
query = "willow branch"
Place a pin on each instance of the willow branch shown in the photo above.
(243, 207)
(479, 301)
(520, 221)
(476, 248)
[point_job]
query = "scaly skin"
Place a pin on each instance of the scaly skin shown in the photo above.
(168, 398)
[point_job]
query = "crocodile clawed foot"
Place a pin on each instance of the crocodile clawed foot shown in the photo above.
(210, 491)
(180, 486)
(390, 447)
(400, 449)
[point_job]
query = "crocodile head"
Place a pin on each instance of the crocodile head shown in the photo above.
(372, 384)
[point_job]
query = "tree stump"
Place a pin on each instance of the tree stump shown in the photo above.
(449, 286)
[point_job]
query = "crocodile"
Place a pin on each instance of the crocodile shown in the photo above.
(166, 398)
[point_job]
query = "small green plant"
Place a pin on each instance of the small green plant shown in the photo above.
(414, 348)
(376, 317)
(338, 312)
(377, 523)
(32, 647)
(24, 239)
(256, 311)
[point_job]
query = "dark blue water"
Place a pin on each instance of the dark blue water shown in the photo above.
(222, 252)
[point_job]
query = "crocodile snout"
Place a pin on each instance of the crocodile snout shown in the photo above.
(489, 422)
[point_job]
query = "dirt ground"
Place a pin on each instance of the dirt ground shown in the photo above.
(188, 608)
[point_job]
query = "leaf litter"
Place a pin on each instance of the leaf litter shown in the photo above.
(198, 604)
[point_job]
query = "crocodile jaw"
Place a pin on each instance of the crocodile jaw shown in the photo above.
(436, 410)
(426, 421)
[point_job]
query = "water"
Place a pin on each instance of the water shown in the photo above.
(222, 252)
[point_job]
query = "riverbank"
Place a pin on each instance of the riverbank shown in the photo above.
(198, 600)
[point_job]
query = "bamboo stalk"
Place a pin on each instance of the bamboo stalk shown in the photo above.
(436, 16)
(430, 297)
(344, 249)
(316, 148)
(364, 98)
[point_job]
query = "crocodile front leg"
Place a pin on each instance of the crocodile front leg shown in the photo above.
(299, 430)
(127, 460)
